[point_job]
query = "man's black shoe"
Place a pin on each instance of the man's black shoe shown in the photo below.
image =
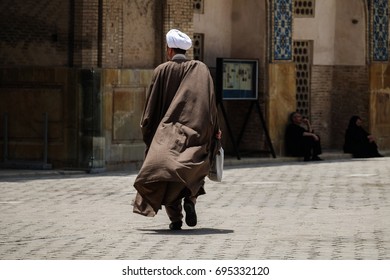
(189, 208)
(175, 225)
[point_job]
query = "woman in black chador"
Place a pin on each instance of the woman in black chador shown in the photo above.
(359, 142)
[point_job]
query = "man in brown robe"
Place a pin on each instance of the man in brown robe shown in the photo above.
(179, 126)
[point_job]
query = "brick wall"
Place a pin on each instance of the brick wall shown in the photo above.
(142, 38)
(321, 89)
(179, 15)
(349, 97)
(337, 93)
(85, 33)
(86, 25)
(34, 33)
(111, 34)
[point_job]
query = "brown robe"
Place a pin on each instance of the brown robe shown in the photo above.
(179, 124)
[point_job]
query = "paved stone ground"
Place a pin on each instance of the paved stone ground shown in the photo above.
(335, 209)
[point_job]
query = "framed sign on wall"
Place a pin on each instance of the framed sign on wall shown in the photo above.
(237, 79)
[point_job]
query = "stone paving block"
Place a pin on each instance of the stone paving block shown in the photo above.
(336, 209)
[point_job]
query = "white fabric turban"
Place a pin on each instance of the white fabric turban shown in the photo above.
(178, 39)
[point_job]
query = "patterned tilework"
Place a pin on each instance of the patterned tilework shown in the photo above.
(380, 29)
(282, 37)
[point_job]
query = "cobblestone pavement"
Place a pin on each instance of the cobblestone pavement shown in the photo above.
(336, 209)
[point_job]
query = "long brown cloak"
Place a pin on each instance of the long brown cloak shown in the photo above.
(179, 124)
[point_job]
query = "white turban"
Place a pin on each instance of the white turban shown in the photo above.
(178, 39)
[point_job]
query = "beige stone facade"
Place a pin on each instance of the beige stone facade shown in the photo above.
(88, 63)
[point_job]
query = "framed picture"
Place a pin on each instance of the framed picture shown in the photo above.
(237, 79)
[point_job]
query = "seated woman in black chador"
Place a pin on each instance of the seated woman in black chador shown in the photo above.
(359, 142)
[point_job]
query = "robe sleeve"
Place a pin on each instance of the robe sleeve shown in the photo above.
(152, 111)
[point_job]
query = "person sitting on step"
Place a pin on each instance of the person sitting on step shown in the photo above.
(358, 141)
(302, 141)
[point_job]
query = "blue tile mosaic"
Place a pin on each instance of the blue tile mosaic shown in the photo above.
(282, 32)
(380, 30)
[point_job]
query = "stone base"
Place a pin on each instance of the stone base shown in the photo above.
(34, 165)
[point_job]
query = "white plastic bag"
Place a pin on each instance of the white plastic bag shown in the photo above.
(216, 168)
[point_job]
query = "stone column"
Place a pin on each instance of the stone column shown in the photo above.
(281, 102)
(379, 109)
(282, 88)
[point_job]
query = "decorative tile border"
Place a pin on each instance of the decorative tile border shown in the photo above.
(282, 29)
(380, 29)
(282, 21)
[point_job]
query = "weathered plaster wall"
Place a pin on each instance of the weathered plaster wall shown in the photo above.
(218, 35)
(337, 40)
(350, 34)
(320, 29)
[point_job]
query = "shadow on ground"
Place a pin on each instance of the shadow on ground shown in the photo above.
(195, 231)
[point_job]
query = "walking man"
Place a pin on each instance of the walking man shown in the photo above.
(179, 126)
